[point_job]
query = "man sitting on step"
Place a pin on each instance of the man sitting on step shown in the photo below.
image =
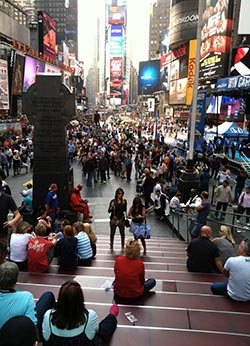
(203, 255)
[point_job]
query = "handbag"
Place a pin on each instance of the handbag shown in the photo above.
(127, 223)
(141, 230)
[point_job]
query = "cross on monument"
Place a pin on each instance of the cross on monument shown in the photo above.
(50, 105)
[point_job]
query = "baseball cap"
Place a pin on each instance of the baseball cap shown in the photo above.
(53, 186)
(18, 331)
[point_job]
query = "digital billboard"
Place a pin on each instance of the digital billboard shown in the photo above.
(149, 77)
(46, 35)
(183, 21)
(31, 68)
(165, 66)
(215, 38)
(117, 15)
(240, 61)
(116, 41)
(4, 85)
(17, 83)
(177, 91)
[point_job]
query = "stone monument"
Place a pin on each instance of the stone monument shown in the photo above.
(50, 105)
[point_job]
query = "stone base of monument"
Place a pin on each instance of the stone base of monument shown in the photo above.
(70, 215)
(188, 180)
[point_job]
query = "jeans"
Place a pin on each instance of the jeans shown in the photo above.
(45, 302)
(107, 327)
(89, 178)
(222, 205)
(148, 285)
(219, 288)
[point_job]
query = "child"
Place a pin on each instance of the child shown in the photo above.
(67, 249)
(40, 250)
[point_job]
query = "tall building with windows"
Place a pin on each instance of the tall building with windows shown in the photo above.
(63, 12)
(159, 21)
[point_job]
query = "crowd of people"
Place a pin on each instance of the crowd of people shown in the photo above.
(157, 168)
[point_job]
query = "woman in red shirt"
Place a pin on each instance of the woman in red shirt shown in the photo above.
(130, 273)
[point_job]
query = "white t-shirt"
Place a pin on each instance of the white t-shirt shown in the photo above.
(19, 246)
(238, 287)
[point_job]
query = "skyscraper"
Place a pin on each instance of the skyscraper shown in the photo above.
(159, 21)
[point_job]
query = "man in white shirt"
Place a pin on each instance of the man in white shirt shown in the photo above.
(237, 269)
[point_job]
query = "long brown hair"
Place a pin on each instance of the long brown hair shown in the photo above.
(70, 311)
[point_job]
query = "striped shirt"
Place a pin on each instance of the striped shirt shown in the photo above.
(84, 248)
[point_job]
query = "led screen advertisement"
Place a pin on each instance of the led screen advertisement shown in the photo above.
(165, 66)
(177, 91)
(149, 77)
(4, 85)
(116, 41)
(47, 35)
(215, 38)
(116, 15)
(116, 71)
(17, 84)
(31, 68)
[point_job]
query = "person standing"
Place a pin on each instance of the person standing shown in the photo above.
(240, 183)
(237, 269)
(148, 187)
(7, 204)
(137, 212)
(202, 210)
(222, 198)
(117, 209)
(244, 205)
(130, 273)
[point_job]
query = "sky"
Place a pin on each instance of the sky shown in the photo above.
(138, 29)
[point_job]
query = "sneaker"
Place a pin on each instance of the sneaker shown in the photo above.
(114, 310)
(239, 230)
(238, 221)
(248, 224)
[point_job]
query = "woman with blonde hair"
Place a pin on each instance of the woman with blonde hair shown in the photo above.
(225, 243)
(130, 273)
(92, 236)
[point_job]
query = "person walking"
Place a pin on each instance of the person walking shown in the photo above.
(117, 209)
(222, 198)
(244, 205)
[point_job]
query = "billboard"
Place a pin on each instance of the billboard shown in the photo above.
(4, 85)
(183, 20)
(149, 77)
(31, 68)
(116, 41)
(240, 61)
(165, 66)
(17, 83)
(46, 35)
(116, 69)
(215, 38)
(191, 71)
(117, 15)
(177, 91)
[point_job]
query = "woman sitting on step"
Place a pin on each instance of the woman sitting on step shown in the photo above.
(130, 273)
(70, 323)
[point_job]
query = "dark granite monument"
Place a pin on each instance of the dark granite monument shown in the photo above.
(49, 106)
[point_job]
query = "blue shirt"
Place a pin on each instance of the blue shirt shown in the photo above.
(52, 200)
(17, 303)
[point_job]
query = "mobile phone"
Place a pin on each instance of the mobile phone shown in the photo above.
(130, 317)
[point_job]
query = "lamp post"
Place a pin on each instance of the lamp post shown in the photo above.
(189, 179)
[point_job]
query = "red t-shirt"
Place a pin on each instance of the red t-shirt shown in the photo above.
(37, 254)
(129, 277)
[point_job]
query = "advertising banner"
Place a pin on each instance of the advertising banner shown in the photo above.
(117, 15)
(31, 68)
(47, 35)
(233, 83)
(149, 77)
(165, 66)
(183, 20)
(116, 69)
(199, 121)
(215, 38)
(177, 91)
(17, 86)
(191, 71)
(4, 85)
(240, 61)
